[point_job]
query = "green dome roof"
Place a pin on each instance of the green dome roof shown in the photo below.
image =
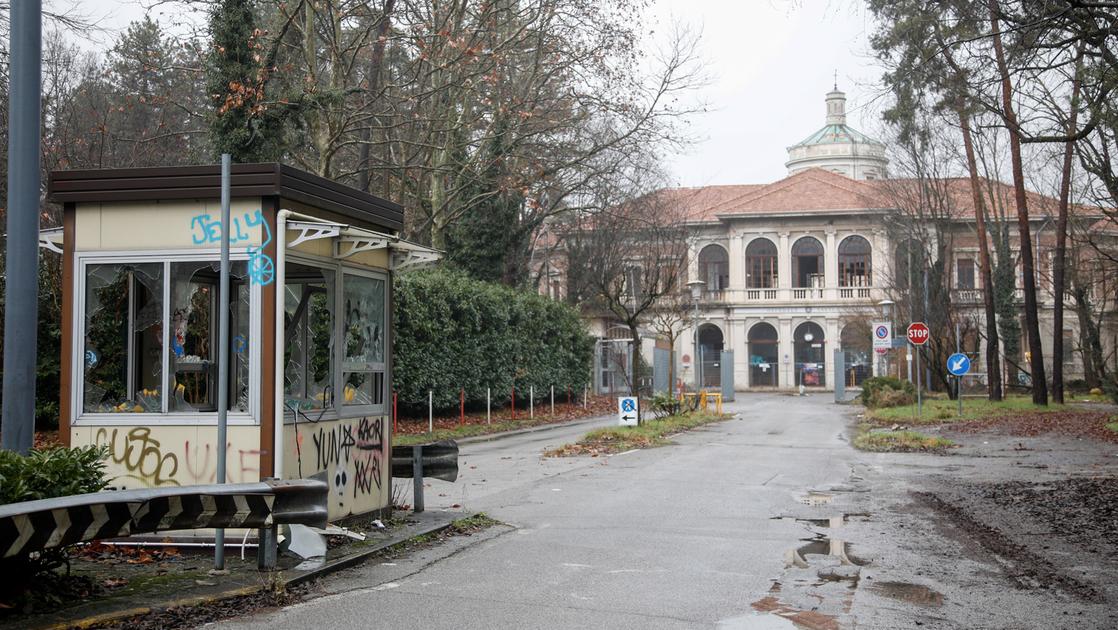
(836, 134)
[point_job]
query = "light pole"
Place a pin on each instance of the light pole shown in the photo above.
(696, 287)
(808, 337)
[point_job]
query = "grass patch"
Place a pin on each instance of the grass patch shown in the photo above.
(464, 431)
(937, 410)
(901, 442)
(1112, 426)
(620, 439)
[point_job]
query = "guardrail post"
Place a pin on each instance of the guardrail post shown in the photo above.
(417, 478)
(267, 549)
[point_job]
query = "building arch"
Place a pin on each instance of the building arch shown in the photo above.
(762, 264)
(807, 263)
(855, 262)
(711, 342)
(809, 347)
(714, 267)
(764, 355)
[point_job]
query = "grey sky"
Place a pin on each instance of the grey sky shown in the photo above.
(770, 63)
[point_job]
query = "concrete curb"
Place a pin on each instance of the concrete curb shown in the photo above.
(442, 521)
(492, 437)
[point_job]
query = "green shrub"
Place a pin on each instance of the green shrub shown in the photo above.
(662, 404)
(887, 391)
(453, 332)
(52, 472)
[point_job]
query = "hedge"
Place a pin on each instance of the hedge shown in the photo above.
(453, 332)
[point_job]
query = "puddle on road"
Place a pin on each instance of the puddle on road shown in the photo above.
(817, 498)
(908, 592)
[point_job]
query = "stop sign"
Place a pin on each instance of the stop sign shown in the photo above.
(918, 333)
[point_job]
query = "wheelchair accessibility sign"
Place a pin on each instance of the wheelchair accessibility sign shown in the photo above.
(627, 411)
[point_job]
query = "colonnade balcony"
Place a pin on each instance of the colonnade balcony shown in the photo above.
(793, 295)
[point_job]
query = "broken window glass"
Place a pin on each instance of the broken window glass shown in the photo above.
(123, 362)
(194, 317)
(363, 366)
(309, 334)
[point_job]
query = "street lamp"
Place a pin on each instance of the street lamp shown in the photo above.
(696, 287)
(808, 337)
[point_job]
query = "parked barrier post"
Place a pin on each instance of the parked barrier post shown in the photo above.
(267, 549)
(488, 406)
(531, 401)
(514, 403)
(395, 421)
(430, 411)
(417, 478)
(461, 407)
(552, 400)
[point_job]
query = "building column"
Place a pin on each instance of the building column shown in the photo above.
(881, 261)
(784, 262)
(785, 354)
(741, 355)
(832, 343)
(737, 262)
(830, 261)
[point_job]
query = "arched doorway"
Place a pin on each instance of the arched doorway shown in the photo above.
(710, 356)
(761, 264)
(764, 356)
(807, 263)
(714, 268)
(857, 354)
(855, 258)
(809, 348)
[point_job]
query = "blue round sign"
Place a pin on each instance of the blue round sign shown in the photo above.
(958, 364)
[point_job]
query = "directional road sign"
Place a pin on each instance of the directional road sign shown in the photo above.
(918, 333)
(882, 335)
(958, 364)
(627, 411)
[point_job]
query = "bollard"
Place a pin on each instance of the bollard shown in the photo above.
(531, 401)
(394, 416)
(553, 400)
(461, 407)
(514, 403)
(488, 407)
(585, 393)
(430, 411)
(417, 478)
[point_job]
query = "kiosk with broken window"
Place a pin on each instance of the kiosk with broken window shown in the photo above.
(310, 326)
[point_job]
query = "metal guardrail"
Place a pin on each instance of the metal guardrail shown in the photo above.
(437, 460)
(49, 523)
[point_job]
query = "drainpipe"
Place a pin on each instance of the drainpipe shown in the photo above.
(281, 250)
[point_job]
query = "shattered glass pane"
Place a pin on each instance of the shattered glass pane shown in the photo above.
(123, 361)
(309, 331)
(364, 320)
(194, 336)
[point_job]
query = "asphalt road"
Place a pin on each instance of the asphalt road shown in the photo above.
(678, 537)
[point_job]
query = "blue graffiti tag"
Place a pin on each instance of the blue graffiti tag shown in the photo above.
(261, 268)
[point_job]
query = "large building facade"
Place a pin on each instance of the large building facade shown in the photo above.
(791, 271)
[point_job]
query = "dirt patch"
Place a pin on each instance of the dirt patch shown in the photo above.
(1083, 424)
(1024, 568)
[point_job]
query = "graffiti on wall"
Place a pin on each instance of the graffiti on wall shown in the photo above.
(206, 230)
(173, 460)
(355, 450)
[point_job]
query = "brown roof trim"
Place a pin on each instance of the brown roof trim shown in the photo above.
(204, 182)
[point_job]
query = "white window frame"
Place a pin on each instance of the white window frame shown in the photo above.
(331, 412)
(353, 411)
(235, 418)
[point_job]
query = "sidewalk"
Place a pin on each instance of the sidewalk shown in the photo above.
(184, 580)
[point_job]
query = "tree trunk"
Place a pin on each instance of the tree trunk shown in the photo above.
(1032, 321)
(634, 383)
(1094, 363)
(1059, 263)
(993, 363)
(376, 62)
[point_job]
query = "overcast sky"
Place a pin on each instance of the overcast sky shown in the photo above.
(770, 63)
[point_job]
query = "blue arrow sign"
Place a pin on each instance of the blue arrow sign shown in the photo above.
(958, 364)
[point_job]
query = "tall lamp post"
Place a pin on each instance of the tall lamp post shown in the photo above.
(696, 287)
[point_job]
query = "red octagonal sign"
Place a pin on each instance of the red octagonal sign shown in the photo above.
(918, 333)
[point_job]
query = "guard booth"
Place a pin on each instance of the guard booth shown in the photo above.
(310, 314)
